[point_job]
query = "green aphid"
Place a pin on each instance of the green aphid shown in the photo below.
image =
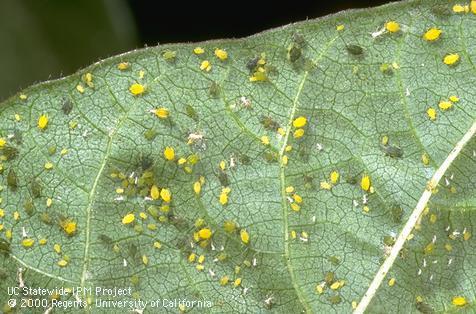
(178, 222)
(4, 246)
(308, 181)
(29, 207)
(12, 180)
(3, 272)
(355, 50)
(334, 260)
(329, 277)
(424, 308)
(294, 52)
(269, 124)
(386, 68)
(10, 152)
(214, 90)
(52, 150)
(335, 299)
(191, 112)
(392, 151)
(271, 157)
(46, 218)
(169, 55)
(36, 189)
(17, 137)
(153, 211)
(105, 239)
(135, 280)
(150, 134)
(244, 159)
(299, 40)
(389, 240)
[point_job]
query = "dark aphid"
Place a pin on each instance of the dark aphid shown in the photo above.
(178, 222)
(252, 64)
(4, 246)
(67, 106)
(424, 308)
(146, 163)
(294, 52)
(191, 112)
(268, 123)
(29, 207)
(244, 159)
(355, 50)
(299, 40)
(397, 213)
(150, 134)
(10, 152)
(334, 260)
(214, 90)
(17, 137)
(392, 151)
(223, 178)
(441, 10)
(36, 189)
(308, 181)
(12, 180)
(104, 239)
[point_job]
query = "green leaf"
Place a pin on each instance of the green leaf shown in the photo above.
(370, 156)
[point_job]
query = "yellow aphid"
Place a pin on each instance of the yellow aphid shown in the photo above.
(49, 202)
(297, 198)
(265, 140)
(299, 122)
(425, 159)
(169, 153)
(459, 301)
(119, 190)
(88, 78)
(432, 34)
(336, 285)
(334, 176)
(23, 97)
(69, 226)
(458, 8)
(145, 259)
(42, 241)
(166, 195)
(129, 218)
(221, 54)
(141, 74)
(466, 235)
(366, 209)
(63, 152)
(8, 234)
(284, 160)
(237, 282)
(205, 233)
(293, 234)
(289, 189)
(295, 207)
(161, 113)
(201, 259)
(354, 305)
(155, 192)
(3, 142)
(392, 26)
(340, 27)
(451, 59)
(454, 98)
(137, 89)
(281, 131)
(325, 185)
(445, 105)
(62, 263)
(143, 215)
(27, 242)
(198, 50)
(197, 187)
(2, 213)
(473, 6)
(43, 122)
(288, 148)
(245, 236)
(48, 165)
(223, 198)
(319, 288)
(222, 165)
(80, 88)
(229, 226)
(157, 245)
(224, 280)
(259, 76)
(298, 133)
(57, 248)
(391, 282)
(192, 257)
(16, 215)
(123, 66)
(431, 113)
(205, 66)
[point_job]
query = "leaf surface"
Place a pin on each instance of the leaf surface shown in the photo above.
(101, 158)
